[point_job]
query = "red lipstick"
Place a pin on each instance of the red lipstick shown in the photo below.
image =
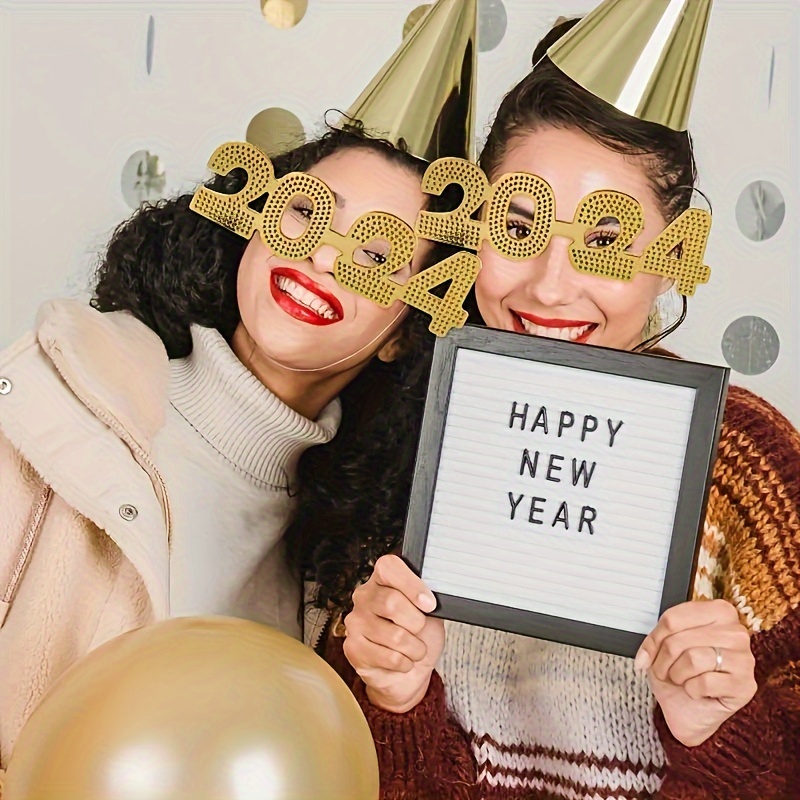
(553, 323)
(298, 310)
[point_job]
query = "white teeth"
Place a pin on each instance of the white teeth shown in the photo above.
(565, 334)
(306, 298)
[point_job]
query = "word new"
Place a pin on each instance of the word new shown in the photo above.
(580, 473)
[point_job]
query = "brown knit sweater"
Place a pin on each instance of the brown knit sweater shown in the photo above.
(514, 718)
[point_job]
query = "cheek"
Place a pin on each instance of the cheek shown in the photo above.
(252, 286)
(371, 318)
(626, 303)
(495, 282)
(244, 284)
(494, 279)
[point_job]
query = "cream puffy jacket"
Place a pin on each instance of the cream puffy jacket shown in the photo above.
(84, 516)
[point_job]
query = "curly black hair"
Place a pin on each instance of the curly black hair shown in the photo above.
(172, 268)
(354, 490)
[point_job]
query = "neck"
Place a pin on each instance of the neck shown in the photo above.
(307, 393)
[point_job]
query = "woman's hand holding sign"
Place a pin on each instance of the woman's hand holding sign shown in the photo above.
(700, 667)
(391, 642)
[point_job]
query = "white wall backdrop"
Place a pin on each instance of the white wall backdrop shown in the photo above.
(87, 87)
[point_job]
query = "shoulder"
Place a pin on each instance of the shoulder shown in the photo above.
(756, 436)
(83, 335)
(110, 364)
(749, 411)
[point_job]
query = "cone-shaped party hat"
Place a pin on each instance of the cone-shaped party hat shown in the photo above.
(424, 95)
(641, 56)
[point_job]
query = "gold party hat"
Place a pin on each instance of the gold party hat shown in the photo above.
(641, 56)
(424, 95)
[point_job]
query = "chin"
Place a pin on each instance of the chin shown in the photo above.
(294, 358)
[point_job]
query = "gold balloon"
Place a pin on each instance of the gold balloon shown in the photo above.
(204, 708)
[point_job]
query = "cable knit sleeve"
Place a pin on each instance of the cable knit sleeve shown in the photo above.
(751, 557)
(423, 754)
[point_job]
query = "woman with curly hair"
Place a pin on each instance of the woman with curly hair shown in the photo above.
(149, 444)
(710, 707)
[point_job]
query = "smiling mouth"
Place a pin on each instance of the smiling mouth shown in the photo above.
(565, 330)
(303, 299)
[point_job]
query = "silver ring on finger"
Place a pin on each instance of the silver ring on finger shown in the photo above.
(718, 654)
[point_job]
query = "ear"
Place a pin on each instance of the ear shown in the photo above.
(392, 348)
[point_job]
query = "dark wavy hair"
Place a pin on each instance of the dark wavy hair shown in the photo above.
(354, 490)
(546, 96)
(172, 268)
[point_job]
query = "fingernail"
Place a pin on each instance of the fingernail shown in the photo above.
(642, 661)
(426, 602)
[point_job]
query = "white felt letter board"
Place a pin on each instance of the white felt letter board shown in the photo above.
(560, 488)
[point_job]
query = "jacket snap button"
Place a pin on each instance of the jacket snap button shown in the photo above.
(128, 512)
(5, 386)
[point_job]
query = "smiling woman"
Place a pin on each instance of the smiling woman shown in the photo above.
(155, 445)
(546, 296)
(205, 370)
(295, 312)
(709, 707)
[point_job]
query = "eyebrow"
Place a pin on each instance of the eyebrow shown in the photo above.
(517, 209)
(340, 201)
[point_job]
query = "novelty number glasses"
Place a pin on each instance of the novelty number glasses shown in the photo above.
(373, 282)
(677, 253)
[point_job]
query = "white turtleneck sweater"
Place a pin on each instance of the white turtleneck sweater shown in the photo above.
(228, 454)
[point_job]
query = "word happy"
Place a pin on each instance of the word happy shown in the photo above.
(557, 468)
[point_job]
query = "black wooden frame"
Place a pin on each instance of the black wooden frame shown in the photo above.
(710, 384)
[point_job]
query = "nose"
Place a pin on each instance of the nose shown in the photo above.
(551, 280)
(323, 259)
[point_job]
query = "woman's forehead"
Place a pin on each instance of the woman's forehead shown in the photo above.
(575, 165)
(367, 181)
(353, 165)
